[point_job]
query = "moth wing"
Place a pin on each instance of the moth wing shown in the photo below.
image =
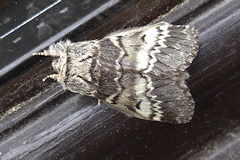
(175, 46)
(153, 98)
(144, 73)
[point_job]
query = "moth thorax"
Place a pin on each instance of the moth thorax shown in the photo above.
(83, 74)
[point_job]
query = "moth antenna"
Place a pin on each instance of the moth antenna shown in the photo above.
(52, 76)
(45, 53)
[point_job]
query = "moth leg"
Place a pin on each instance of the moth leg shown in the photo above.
(99, 102)
(52, 76)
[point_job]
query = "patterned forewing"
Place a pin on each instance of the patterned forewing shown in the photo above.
(147, 73)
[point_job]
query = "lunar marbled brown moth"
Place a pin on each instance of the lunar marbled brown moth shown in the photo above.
(140, 71)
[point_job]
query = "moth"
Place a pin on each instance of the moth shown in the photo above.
(139, 71)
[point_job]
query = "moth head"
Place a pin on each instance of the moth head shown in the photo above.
(58, 52)
(73, 63)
